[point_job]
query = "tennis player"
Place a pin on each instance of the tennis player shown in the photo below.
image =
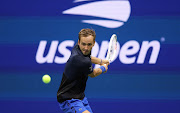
(70, 95)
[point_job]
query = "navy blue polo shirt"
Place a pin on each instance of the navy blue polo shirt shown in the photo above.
(75, 76)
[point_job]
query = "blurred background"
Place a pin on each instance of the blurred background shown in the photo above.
(36, 37)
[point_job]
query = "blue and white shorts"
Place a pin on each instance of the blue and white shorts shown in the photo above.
(75, 106)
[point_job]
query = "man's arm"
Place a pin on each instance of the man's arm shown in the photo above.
(98, 71)
(99, 61)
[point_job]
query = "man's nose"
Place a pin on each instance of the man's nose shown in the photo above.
(86, 47)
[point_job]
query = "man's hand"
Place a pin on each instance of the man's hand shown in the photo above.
(105, 62)
(106, 66)
(99, 61)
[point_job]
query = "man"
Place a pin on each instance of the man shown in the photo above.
(70, 94)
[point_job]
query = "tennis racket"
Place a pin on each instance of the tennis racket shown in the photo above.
(112, 49)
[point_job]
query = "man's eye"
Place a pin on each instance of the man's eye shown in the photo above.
(83, 44)
(89, 44)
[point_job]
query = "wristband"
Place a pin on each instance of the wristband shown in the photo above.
(102, 68)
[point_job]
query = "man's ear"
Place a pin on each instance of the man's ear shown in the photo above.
(78, 42)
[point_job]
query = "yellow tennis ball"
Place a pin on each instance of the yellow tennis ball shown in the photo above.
(46, 79)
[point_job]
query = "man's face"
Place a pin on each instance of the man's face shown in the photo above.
(86, 44)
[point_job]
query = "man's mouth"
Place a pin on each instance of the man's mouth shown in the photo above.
(85, 51)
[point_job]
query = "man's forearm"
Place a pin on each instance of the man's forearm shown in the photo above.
(95, 60)
(99, 71)
(96, 72)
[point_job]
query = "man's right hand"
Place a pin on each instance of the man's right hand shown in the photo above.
(106, 66)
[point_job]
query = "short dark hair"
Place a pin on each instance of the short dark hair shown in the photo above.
(86, 32)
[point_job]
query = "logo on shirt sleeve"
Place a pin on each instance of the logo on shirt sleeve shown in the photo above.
(91, 68)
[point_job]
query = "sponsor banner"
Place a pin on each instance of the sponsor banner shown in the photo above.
(35, 44)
